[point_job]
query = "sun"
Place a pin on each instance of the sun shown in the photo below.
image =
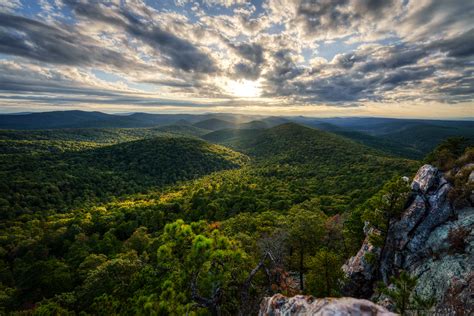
(243, 88)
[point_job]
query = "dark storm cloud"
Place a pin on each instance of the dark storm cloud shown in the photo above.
(374, 6)
(32, 39)
(461, 87)
(179, 53)
(283, 67)
(390, 57)
(404, 75)
(182, 54)
(337, 89)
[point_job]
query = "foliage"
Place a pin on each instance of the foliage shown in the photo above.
(62, 181)
(192, 254)
(325, 275)
(460, 195)
(385, 206)
(425, 137)
(99, 222)
(444, 156)
(401, 292)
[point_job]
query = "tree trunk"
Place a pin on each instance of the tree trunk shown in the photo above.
(290, 261)
(326, 267)
(301, 269)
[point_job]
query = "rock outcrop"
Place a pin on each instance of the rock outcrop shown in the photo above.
(423, 242)
(279, 305)
(362, 273)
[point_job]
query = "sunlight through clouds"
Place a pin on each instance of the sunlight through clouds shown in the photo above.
(242, 88)
(286, 53)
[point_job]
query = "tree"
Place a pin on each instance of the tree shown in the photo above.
(446, 153)
(325, 274)
(305, 229)
(202, 266)
(384, 206)
(401, 292)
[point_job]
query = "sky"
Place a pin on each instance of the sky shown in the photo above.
(392, 58)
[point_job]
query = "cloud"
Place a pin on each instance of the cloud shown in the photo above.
(424, 19)
(253, 55)
(224, 3)
(329, 19)
(340, 53)
(32, 39)
(9, 5)
(400, 72)
(178, 52)
(458, 46)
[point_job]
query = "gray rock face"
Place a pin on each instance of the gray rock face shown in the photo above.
(425, 179)
(444, 266)
(361, 272)
(419, 243)
(279, 305)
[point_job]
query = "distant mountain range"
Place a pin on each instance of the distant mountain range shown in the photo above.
(411, 138)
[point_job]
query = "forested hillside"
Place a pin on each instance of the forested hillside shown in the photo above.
(37, 181)
(156, 221)
(410, 138)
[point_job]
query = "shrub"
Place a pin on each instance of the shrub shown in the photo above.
(457, 239)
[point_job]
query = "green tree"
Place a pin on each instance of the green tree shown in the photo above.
(401, 292)
(305, 232)
(445, 154)
(384, 206)
(324, 274)
(202, 266)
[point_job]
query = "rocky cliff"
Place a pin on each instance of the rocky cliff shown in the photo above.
(431, 240)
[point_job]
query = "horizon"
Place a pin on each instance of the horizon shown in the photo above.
(349, 58)
(244, 114)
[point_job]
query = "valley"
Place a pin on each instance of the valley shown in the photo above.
(112, 219)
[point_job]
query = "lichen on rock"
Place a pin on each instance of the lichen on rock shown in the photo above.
(302, 305)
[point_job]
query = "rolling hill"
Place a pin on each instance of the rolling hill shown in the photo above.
(314, 163)
(294, 142)
(408, 138)
(181, 128)
(66, 180)
(225, 136)
(392, 147)
(84, 119)
(425, 137)
(214, 124)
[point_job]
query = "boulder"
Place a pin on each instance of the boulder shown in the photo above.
(307, 305)
(425, 179)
